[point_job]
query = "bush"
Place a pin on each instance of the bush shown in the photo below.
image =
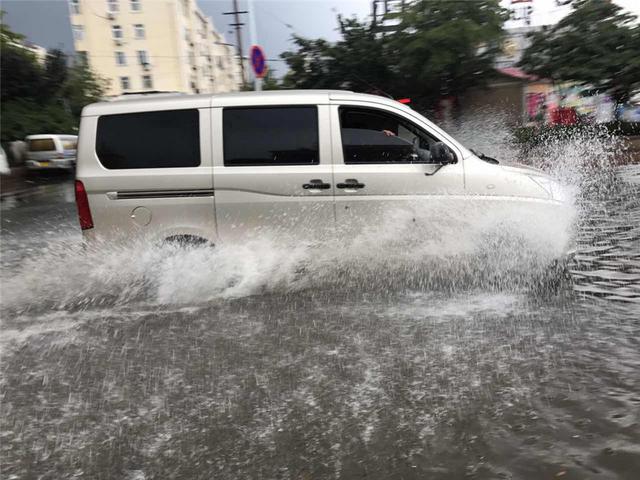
(22, 117)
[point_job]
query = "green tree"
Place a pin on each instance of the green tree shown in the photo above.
(82, 87)
(20, 76)
(270, 82)
(443, 47)
(37, 99)
(309, 66)
(438, 47)
(55, 71)
(597, 44)
(357, 62)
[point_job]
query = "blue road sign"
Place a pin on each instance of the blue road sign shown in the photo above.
(258, 61)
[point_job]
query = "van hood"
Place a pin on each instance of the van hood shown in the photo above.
(547, 182)
(526, 169)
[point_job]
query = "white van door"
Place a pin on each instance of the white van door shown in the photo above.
(272, 172)
(385, 179)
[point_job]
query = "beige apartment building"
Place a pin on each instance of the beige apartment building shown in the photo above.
(160, 45)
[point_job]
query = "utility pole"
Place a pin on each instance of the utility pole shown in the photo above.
(238, 26)
(253, 37)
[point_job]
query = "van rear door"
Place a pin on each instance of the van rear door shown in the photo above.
(149, 172)
(272, 172)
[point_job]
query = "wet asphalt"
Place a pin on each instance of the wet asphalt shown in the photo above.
(100, 380)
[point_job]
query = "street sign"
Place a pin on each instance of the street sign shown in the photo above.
(258, 61)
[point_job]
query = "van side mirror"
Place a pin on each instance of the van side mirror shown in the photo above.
(442, 154)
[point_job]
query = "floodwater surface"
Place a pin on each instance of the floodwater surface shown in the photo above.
(154, 362)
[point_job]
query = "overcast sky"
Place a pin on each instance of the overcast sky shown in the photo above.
(46, 22)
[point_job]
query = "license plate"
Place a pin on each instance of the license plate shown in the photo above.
(44, 164)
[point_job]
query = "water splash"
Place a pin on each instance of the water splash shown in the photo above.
(431, 246)
(413, 247)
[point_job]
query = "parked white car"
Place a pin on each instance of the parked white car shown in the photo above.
(228, 167)
(51, 151)
(4, 163)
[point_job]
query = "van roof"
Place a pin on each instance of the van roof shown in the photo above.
(164, 101)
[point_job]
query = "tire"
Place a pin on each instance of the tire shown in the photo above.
(187, 241)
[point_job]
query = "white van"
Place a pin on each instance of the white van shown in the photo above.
(51, 151)
(222, 168)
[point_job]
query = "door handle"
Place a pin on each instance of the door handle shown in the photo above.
(350, 183)
(316, 184)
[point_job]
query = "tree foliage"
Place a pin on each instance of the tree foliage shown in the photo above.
(443, 47)
(437, 47)
(41, 98)
(596, 44)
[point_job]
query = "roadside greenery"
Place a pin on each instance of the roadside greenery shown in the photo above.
(437, 48)
(441, 48)
(597, 44)
(41, 98)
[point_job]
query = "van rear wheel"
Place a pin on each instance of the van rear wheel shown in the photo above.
(187, 241)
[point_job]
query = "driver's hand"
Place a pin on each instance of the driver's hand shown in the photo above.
(388, 133)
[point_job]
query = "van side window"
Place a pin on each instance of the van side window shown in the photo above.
(374, 136)
(166, 139)
(260, 136)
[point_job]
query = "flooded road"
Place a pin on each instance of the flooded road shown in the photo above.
(103, 380)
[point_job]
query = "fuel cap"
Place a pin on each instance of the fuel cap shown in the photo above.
(141, 216)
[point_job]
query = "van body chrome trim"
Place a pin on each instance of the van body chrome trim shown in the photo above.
(132, 194)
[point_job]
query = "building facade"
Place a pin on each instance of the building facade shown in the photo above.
(153, 45)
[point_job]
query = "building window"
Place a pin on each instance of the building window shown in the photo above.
(143, 58)
(147, 82)
(124, 83)
(135, 6)
(138, 30)
(75, 6)
(121, 58)
(116, 32)
(112, 6)
(78, 32)
(82, 58)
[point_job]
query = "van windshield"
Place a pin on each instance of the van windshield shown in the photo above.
(42, 145)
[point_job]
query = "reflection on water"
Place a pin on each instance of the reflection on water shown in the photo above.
(112, 369)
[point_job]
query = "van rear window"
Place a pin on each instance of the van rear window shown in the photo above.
(166, 139)
(42, 145)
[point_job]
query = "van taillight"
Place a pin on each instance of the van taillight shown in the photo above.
(84, 212)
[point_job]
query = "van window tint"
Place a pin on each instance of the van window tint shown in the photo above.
(164, 139)
(42, 145)
(374, 136)
(271, 136)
